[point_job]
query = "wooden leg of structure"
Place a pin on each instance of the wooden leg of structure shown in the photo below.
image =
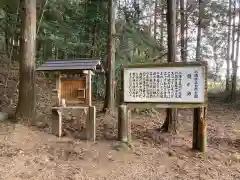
(129, 133)
(91, 124)
(57, 122)
(196, 116)
(124, 124)
(200, 129)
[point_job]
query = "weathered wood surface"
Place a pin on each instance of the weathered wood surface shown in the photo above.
(199, 140)
(69, 89)
(124, 124)
(69, 107)
(164, 105)
(58, 87)
(89, 88)
(57, 122)
(91, 124)
(166, 64)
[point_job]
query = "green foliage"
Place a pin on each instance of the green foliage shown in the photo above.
(74, 28)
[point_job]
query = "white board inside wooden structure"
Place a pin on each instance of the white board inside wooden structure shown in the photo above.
(164, 84)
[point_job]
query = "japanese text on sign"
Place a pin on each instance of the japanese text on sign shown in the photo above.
(164, 84)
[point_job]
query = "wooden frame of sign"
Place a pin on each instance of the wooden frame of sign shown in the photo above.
(198, 102)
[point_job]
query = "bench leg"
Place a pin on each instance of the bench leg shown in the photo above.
(57, 122)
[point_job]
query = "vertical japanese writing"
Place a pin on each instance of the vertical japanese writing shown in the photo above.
(196, 84)
(163, 84)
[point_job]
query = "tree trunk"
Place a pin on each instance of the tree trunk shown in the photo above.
(199, 33)
(7, 34)
(186, 33)
(235, 63)
(27, 85)
(197, 111)
(110, 85)
(229, 42)
(233, 32)
(162, 23)
(155, 25)
(233, 45)
(178, 28)
(170, 124)
(182, 31)
(215, 59)
(47, 50)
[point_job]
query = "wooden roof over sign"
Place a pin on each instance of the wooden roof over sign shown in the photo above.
(75, 64)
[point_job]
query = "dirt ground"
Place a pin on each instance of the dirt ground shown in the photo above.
(33, 153)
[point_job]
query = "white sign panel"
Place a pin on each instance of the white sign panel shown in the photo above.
(164, 84)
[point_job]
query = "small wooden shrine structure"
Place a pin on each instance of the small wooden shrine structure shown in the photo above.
(73, 90)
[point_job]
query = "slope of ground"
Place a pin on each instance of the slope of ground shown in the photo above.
(30, 153)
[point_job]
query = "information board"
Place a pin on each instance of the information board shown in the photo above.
(164, 84)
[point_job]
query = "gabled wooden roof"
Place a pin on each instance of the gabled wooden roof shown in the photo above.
(74, 64)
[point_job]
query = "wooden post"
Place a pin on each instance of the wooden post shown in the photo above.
(129, 133)
(89, 82)
(124, 124)
(91, 124)
(57, 122)
(199, 140)
(58, 88)
(196, 119)
(200, 129)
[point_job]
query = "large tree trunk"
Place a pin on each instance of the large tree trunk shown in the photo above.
(170, 124)
(110, 85)
(235, 63)
(182, 28)
(27, 85)
(229, 42)
(177, 20)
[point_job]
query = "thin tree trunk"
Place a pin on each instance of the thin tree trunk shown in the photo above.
(27, 86)
(197, 111)
(162, 23)
(215, 59)
(228, 51)
(233, 31)
(233, 42)
(199, 33)
(182, 31)
(155, 25)
(110, 85)
(235, 63)
(47, 50)
(170, 124)
(7, 41)
(186, 33)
